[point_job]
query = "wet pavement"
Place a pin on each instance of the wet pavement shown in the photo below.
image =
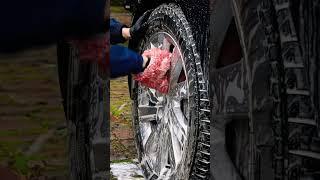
(126, 171)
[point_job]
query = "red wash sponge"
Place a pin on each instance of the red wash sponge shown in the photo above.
(157, 74)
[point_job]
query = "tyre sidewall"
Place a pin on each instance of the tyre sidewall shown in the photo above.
(167, 22)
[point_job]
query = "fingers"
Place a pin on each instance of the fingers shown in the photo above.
(126, 33)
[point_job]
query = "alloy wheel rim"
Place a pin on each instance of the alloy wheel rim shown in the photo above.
(164, 119)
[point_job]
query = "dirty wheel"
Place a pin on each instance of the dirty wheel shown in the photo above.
(84, 100)
(276, 135)
(172, 130)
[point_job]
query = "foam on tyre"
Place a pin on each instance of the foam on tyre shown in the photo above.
(195, 163)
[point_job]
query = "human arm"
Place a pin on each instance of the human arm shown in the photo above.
(119, 33)
(116, 32)
(124, 61)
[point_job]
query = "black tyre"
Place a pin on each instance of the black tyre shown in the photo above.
(298, 28)
(276, 134)
(172, 131)
(84, 95)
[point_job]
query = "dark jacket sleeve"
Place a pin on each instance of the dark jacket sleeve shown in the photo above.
(116, 31)
(41, 22)
(124, 61)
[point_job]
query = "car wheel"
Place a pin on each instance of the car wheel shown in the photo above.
(278, 135)
(84, 95)
(172, 131)
(296, 93)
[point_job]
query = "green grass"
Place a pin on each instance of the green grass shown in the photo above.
(11, 146)
(122, 161)
(115, 111)
(23, 164)
(118, 9)
(119, 96)
(10, 151)
(22, 132)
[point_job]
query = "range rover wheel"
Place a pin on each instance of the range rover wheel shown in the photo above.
(172, 130)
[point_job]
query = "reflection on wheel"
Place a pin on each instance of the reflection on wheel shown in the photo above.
(172, 130)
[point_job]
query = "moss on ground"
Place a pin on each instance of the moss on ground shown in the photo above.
(30, 105)
(120, 102)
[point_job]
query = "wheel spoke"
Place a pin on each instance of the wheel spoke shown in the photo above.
(148, 118)
(171, 159)
(176, 147)
(157, 147)
(151, 46)
(160, 40)
(179, 120)
(176, 67)
(147, 110)
(143, 96)
(178, 132)
(150, 113)
(179, 91)
(164, 146)
(146, 133)
(166, 45)
(150, 145)
(153, 96)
